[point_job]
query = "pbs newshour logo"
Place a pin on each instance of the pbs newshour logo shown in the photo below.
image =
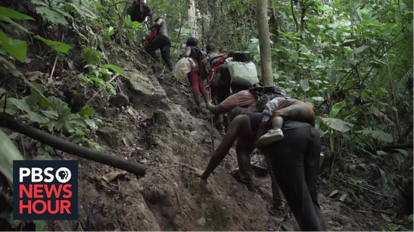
(45, 190)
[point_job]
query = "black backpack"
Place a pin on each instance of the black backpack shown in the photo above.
(265, 94)
(199, 55)
(136, 14)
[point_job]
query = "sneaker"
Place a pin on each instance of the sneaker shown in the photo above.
(270, 137)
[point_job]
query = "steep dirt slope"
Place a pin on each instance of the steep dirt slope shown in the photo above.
(169, 137)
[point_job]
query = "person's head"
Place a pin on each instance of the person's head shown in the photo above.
(230, 54)
(239, 85)
(210, 48)
(192, 42)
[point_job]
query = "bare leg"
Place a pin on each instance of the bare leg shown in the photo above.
(244, 147)
(274, 134)
(277, 122)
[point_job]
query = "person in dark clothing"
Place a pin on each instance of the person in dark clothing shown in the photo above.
(139, 11)
(294, 162)
(159, 40)
(197, 84)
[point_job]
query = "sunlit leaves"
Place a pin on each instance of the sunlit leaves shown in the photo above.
(55, 45)
(116, 69)
(338, 124)
(336, 108)
(8, 153)
(14, 47)
(7, 12)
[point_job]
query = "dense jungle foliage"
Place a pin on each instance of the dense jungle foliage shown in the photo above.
(352, 60)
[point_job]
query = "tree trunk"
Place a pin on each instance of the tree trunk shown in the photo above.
(192, 20)
(264, 43)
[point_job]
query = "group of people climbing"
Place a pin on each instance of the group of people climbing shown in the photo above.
(281, 127)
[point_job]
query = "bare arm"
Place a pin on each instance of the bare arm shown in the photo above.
(218, 109)
(203, 73)
(187, 52)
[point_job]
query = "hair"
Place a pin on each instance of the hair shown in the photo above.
(239, 85)
(210, 48)
(230, 54)
(193, 42)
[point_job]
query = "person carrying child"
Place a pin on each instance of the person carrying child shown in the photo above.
(280, 109)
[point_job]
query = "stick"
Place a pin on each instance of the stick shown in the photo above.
(53, 69)
(212, 127)
(96, 94)
(74, 149)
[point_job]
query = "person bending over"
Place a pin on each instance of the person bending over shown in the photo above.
(241, 97)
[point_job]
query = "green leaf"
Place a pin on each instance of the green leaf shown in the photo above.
(37, 117)
(305, 85)
(40, 2)
(40, 225)
(337, 124)
(50, 114)
(60, 107)
(116, 69)
(377, 134)
(56, 45)
(91, 56)
(7, 12)
(386, 218)
(52, 16)
(83, 11)
(348, 42)
(410, 218)
(8, 153)
(402, 151)
(87, 111)
(16, 25)
(14, 47)
(336, 108)
(381, 153)
(360, 49)
(318, 99)
(20, 104)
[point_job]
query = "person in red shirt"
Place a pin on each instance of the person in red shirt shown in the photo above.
(197, 84)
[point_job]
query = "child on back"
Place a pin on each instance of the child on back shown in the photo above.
(280, 109)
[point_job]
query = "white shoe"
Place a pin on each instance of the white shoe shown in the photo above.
(271, 136)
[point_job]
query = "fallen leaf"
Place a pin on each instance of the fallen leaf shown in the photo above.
(114, 175)
(33, 76)
(333, 193)
(343, 197)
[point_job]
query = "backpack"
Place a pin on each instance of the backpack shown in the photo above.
(200, 55)
(138, 15)
(213, 61)
(265, 94)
